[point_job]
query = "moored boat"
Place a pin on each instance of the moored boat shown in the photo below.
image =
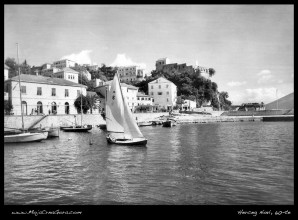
(25, 137)
(85, 128)
(142, 124)
(169, 123)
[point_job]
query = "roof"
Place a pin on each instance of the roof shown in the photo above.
(6, 67)
(67, 69)
(142, 94)
(166, 80)
(90, 93)
(63, 60)
(122, 85)
(45, 80)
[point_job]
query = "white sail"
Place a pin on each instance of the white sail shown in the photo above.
(131, 128)
(119, 118)
(114, 108)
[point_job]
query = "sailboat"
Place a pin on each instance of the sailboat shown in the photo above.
(121, 126)
(23, 135)
(79, 128)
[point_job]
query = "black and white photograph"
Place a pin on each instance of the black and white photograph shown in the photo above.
(148, 104)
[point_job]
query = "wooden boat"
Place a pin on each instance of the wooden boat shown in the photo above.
(142, 124)
(169, 123)
(85, 128)
(121, 126)
(24, 136)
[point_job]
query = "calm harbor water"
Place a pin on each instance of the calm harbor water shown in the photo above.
(242, 163)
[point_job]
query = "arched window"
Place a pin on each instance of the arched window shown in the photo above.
(24, 104)
(66, 108)
(39, 108)
(54, 107)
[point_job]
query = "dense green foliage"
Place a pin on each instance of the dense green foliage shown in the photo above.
(191, 86)
(85, 104)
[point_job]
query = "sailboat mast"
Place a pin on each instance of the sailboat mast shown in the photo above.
(20, 88)
(81, 102)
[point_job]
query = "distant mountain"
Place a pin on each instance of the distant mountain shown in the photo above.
(286, 102)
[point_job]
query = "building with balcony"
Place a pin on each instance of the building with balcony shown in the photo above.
(44, 94)
(143, 99)
(164, 93)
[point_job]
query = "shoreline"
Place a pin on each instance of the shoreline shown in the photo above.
(96, 119)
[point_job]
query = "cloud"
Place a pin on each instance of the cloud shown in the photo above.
(123, 60)
(82, 57)
(265, 76)
(232, 84)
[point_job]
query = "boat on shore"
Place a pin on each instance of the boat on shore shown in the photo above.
(121, 126)
(23, 135)
(169, 123)
(79, 128)
(142, 124)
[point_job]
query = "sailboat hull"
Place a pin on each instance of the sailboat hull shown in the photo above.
(25, 137)
(134, 141)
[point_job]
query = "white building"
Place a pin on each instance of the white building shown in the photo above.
(130, 73)
(129, 92)
(164, 92)
(45, 94)
(64, 63)
(143, 99)
(6, 68)
(97, 82)
(189, 105)
(68, 74)
(49, 71)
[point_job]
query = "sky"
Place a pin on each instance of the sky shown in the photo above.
(251, 47)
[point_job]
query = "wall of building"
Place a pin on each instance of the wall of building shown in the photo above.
(31, 97)
(168, 90)
(130, 74)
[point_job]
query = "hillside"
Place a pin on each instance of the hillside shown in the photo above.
(286, 102)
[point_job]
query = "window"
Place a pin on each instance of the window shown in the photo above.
(39, 91)
(152, 93)
(159, 93)
(23, 89)
(66, 93)
(159, 86)
(167, 85)
(142, 98)
(78, 93)
(167, 100)
(168, 93)
(151, 87)
(138, 98)
(53, 91)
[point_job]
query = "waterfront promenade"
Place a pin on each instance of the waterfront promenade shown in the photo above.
(97, 119)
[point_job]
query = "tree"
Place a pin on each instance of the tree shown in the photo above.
(93, 99)
(211, 72)
(85, 104)
(13, 67)
(7, 107)
(223, 100)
